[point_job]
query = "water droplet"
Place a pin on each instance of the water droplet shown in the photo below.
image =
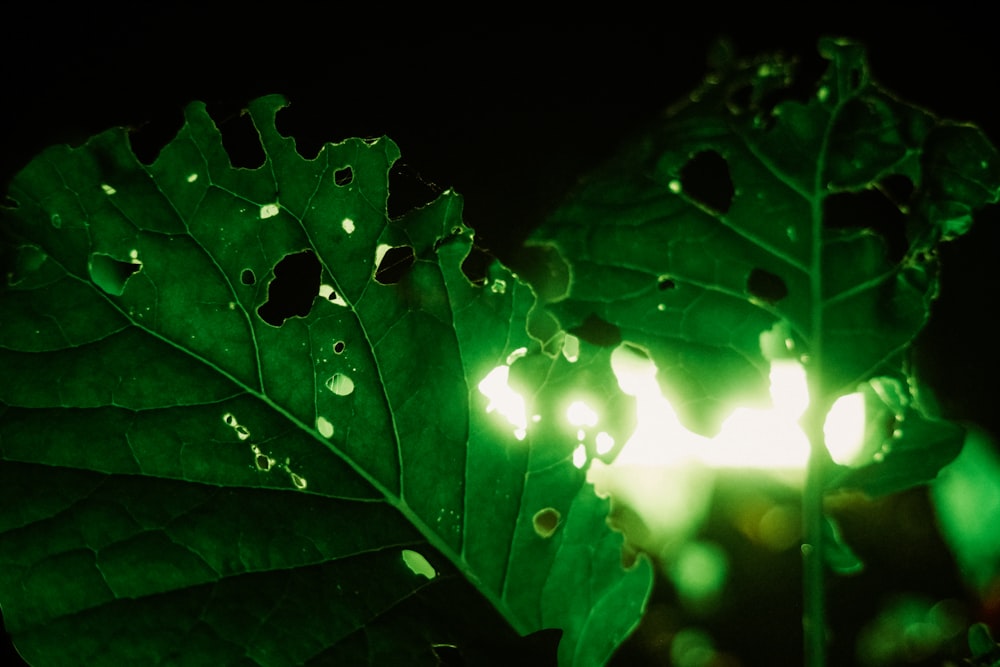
(348, 225)
(340, 384)
(108, 190)
(792, 233)
(822, 93)
(546, 521)
(675, 186)
(418, 564)
(268, 211)
(498, 286)
(192, 178)
(324, 427)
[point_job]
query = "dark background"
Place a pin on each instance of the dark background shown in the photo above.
(509, 113)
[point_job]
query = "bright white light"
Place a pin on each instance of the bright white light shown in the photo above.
(605, 443)
(268, 211)
(844, 429)
(580, 458)
(580, 414)
(348, 225)
(789, 389)
(504, 400)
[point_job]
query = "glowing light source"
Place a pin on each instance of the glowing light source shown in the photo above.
(504, 400)
(580, 414)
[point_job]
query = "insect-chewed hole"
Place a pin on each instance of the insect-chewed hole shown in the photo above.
(546, 521)
(239, 137)
(343, 176)
(596, 331)
(664, 283)
(248, 277)
(297, 122)
(291, 292)
(705, 179)
(872, 209)
(339, 347)
(111, 274)
(394, 264)
(340, 384)
(408, 190)
(148, 139)
(766, 286)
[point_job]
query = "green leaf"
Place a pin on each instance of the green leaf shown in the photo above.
(196, 459)
(756, 207)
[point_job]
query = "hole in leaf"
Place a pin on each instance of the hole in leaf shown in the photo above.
(148, 139)
(475, 266)
(596, 331)
(546, 521)
(291, 292)
(448, 655)
(418, 564)
(263, 462)
(240, 138)
(247, 277)
(705, 179)
(665, 283)
(766, 286)
(898, 189)
(869, 209)
(339, 346)
(111, 274)
(343, 176)
(340, 384)
(408, 190)
(394, 264)
(296, 122)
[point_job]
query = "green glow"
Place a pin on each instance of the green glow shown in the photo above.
(504, 400)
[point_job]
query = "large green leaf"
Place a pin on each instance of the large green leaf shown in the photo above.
(185, 481)
(768, 204)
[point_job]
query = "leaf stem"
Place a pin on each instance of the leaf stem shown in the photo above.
(813, 584)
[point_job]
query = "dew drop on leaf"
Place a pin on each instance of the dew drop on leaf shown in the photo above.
(348, 225)
(268, 211)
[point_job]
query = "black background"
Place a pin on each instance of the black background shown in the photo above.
(507, 112)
